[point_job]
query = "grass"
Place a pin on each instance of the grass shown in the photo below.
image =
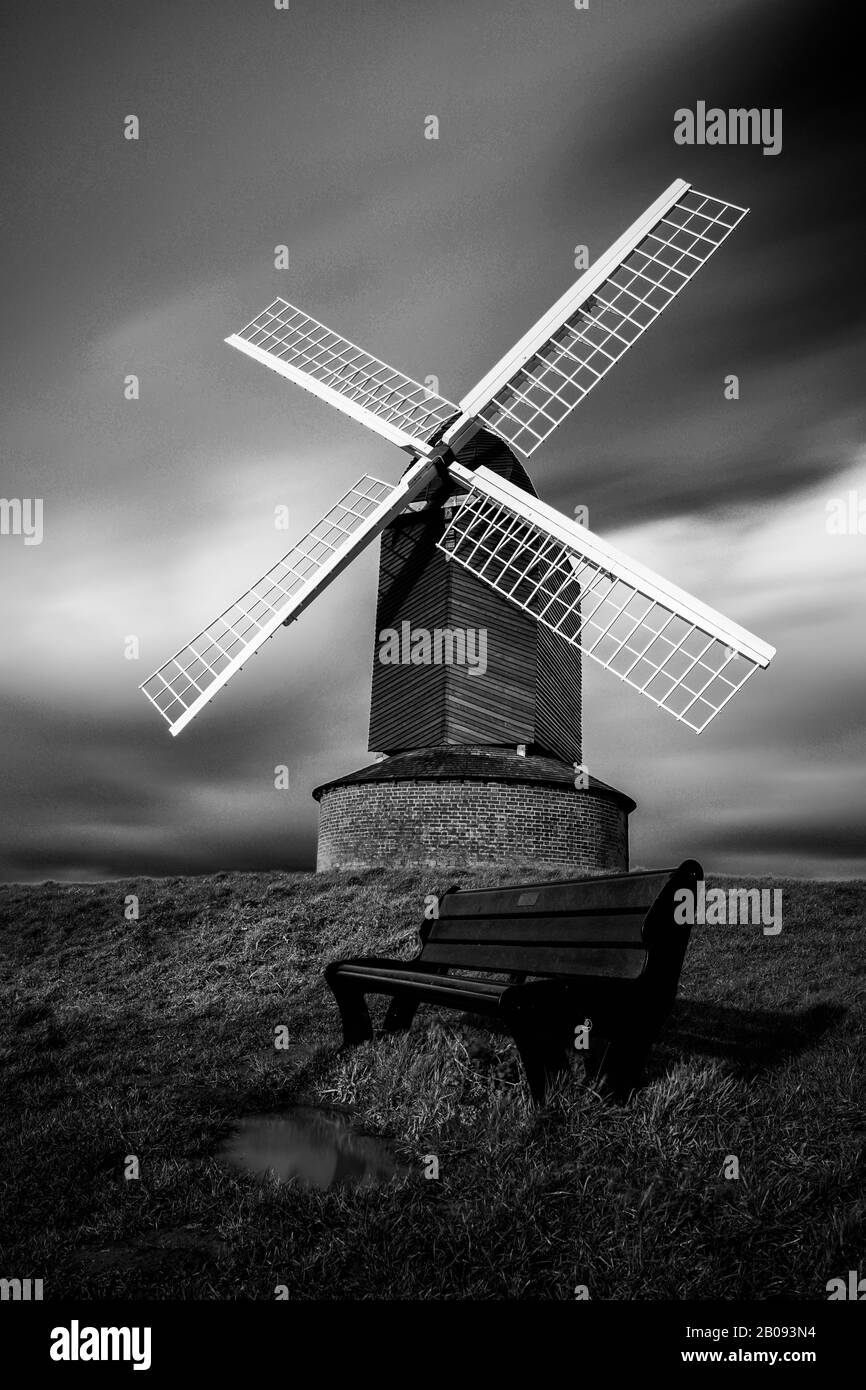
(151, 1037)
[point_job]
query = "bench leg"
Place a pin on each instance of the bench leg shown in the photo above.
(544, 1056)
(401, 1012)
(616, 1068)
(354, 1014)
(402, 1009)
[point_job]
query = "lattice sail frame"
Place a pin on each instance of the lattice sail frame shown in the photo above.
(189, 679)
(523, 398)
(297, 346)
(558, 362)
(684, 656)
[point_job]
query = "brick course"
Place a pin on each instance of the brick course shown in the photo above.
(464, 822)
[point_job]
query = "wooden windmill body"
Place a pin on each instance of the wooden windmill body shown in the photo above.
(528, 696)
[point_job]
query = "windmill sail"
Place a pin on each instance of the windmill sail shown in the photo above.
(553, 366)
(190, 678)
(300, 348)
(687, 658)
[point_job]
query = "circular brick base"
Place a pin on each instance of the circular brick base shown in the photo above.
(435, 808)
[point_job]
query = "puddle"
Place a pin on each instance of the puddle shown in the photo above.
(314, 1147)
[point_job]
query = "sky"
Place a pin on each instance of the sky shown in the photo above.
(305, 127)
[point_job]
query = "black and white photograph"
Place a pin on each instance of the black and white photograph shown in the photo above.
(433, 680)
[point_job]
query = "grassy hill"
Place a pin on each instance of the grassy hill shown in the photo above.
(152, 1037)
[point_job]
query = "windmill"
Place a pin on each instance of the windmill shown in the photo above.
(463, 534)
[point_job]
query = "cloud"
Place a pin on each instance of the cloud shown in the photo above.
(556, 129)
(787, 757)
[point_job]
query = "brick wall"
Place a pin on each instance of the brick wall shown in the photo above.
(461, 823)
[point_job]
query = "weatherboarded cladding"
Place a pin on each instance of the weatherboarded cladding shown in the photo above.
(530, 691)
(558, 696)
(498, 707)
(408, 703)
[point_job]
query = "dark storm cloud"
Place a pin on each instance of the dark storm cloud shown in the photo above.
(783, 304)
(110, 791)
(833, 840)
(305, 127)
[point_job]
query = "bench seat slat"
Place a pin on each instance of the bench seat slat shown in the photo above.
(624, 929)
(358, 970)
(480, 996)
(616, 962)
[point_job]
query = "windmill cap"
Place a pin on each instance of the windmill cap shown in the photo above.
(447, 763)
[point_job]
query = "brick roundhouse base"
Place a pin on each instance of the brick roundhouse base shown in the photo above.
(456, 807)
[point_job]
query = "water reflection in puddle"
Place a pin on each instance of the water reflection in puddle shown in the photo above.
(315, 1147)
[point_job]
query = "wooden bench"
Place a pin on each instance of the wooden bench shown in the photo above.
(604, 949)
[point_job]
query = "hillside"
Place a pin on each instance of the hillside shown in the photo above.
(153, 1037)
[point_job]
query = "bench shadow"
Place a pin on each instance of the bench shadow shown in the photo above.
(752, 1040)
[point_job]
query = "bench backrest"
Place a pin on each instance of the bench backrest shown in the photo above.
(611, 926)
